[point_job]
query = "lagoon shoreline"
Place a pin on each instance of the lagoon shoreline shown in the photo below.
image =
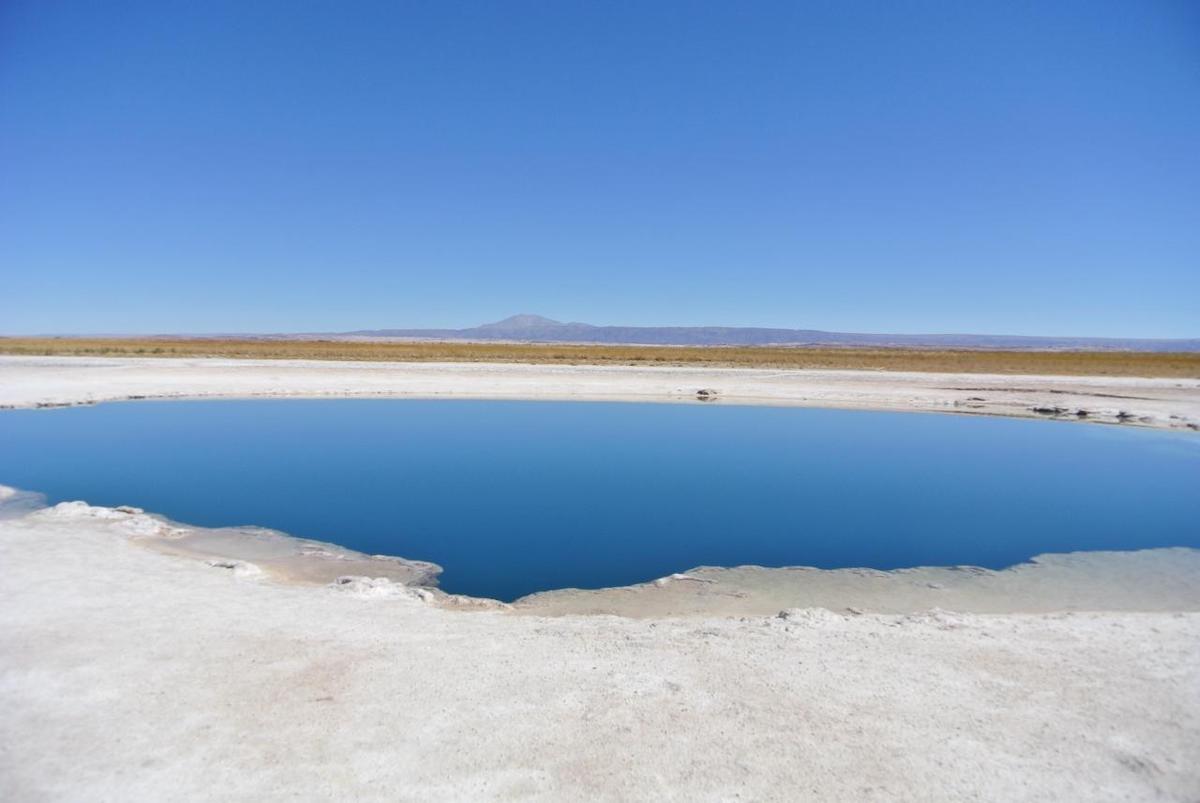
(1149, 580)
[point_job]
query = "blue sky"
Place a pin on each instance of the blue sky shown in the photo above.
(1005, 167)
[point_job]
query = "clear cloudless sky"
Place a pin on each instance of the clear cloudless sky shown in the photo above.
(1014, 166)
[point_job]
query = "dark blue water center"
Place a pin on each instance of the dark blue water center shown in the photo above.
(515, 497)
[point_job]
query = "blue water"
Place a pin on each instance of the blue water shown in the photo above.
(515, 497)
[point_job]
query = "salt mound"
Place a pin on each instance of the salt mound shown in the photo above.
(810, 617)
(377, 587)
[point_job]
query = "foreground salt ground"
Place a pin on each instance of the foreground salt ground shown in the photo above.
(130, 674)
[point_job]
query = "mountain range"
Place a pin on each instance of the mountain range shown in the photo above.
(528, 328)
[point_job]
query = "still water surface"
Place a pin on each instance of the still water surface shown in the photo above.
(516, 497)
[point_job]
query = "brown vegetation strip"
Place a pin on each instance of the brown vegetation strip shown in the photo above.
(1092, 363)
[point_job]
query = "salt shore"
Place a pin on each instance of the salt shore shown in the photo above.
(50, 381)
(146, 659)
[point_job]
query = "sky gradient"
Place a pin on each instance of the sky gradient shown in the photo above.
(994, 167)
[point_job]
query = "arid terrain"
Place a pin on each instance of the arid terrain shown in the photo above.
(974, 361)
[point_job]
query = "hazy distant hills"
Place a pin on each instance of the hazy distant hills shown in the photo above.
(536, 329)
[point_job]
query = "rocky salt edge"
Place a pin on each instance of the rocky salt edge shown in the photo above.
(249, 552)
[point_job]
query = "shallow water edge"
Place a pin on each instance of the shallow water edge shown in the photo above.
(1151, 580)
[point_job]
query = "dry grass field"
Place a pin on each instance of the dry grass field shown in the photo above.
(1093, 363)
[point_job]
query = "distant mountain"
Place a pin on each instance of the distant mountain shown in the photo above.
(528, 328)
